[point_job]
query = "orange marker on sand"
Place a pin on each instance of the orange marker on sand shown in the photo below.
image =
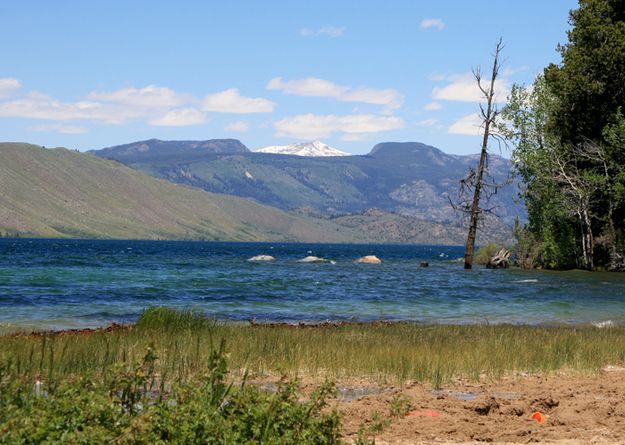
(539, 417)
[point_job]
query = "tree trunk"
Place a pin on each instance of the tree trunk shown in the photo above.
(590, 241)
(475, 207)
(488, 117)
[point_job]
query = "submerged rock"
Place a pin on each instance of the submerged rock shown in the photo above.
(262, 258)
(369, 259)
(313, 259)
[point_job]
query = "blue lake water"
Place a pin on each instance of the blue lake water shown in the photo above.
(54, 284)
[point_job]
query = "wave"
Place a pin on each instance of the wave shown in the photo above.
(603, 324)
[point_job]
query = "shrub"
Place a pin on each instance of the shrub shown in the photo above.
(127, 407)
(485, 253)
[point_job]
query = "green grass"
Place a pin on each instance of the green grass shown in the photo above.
(177, 377)
(384, 352)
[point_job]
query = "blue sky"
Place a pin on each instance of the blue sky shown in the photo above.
(88, 75)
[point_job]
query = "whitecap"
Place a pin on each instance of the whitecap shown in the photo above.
(533, 280)
(603, 324)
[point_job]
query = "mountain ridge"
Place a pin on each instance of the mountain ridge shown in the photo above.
(64, 193)
(409, 178)
(60, 193)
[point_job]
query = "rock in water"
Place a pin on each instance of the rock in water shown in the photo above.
(500, 261)
(369, 259)
(262, 258)
(424, 264)
(313, 259)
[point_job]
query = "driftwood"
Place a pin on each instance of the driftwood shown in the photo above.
(500, 261)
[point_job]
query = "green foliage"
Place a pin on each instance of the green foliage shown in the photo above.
(588, 83)
(124, 408)
(433, 353)
(400, 405)
(568, 134)
(485, 253)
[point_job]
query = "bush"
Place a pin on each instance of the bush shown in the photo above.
(485, 253)
(137, 406)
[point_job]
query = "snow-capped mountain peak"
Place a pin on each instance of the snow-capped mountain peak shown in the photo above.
(313, 148)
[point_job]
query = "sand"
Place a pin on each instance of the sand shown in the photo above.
(577, 410)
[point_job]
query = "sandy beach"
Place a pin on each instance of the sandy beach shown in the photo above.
(577, 410)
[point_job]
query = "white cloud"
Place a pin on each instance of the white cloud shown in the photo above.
(315, 87)
(179, 118)
(311, 126)
(388, 97)
(239, 127)
(427, 122)
(114, 107)
(326, 30)
(467, 125)
(9, 86)
(509, 71)
(151, 96)
(36, 105)
(59, 128)
(310, 86)
(158, 106)
(463, 88)
(432, 23)
(231, 101)
(433, 106)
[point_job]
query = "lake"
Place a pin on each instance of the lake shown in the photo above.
(59, 284)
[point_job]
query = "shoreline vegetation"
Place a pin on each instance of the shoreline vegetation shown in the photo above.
(381, 351)
(176, 376)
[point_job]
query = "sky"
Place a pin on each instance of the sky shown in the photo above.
(87, 75)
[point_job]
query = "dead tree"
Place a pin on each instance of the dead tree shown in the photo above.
(477, 180)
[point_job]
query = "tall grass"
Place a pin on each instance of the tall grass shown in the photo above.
(384, 352)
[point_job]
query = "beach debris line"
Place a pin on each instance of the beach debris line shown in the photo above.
(369, 259)
(262, 258)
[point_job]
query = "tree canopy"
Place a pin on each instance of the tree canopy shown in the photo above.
(568, 133)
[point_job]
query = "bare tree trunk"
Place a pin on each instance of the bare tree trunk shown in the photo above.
(488, 118)
(614, 256)
(590, 240)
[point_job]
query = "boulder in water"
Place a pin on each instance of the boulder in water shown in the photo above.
(262, 258)
(369, 259)
(313, 259)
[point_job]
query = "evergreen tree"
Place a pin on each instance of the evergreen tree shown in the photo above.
(569, 136)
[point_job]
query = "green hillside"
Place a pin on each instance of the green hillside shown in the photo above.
(63, 193)
(407, 178)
